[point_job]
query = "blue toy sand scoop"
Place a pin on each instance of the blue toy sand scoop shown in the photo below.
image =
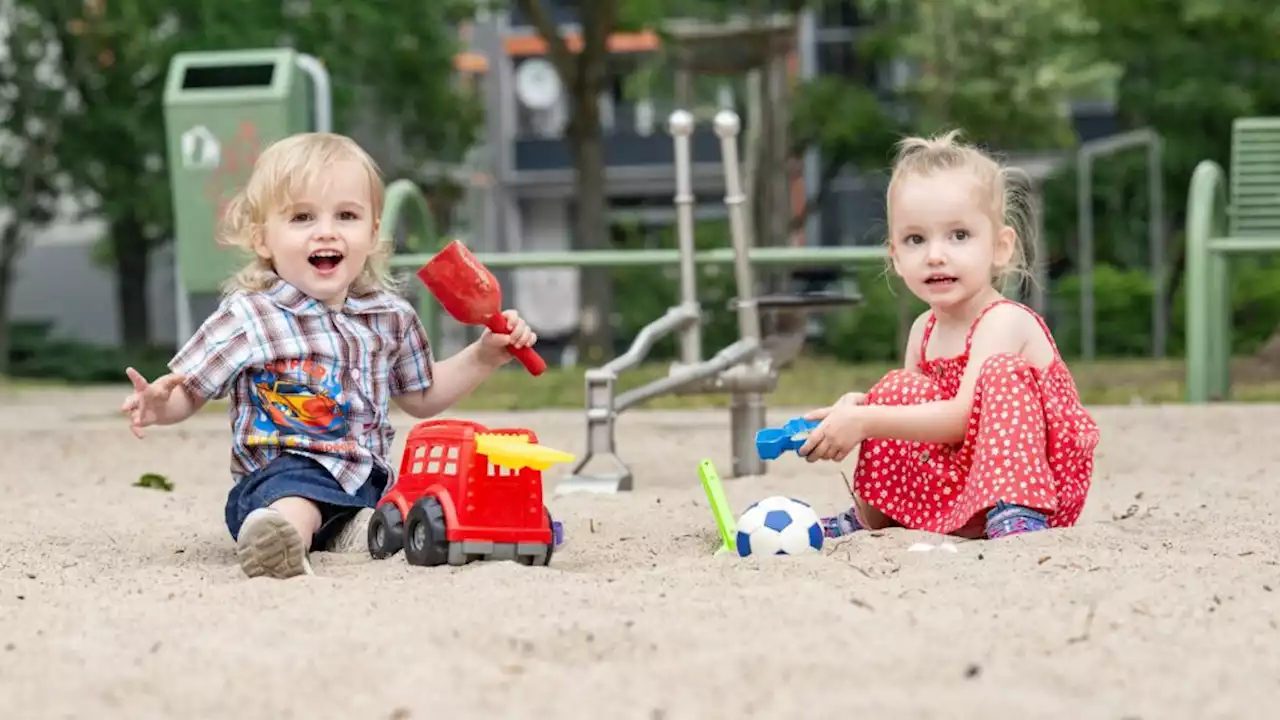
(772, 442)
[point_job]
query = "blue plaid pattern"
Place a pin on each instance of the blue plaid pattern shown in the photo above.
(372, 349)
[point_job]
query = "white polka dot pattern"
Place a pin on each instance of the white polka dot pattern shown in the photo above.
(1030, 442)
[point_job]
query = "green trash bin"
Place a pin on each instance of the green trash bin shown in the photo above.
(220, 110)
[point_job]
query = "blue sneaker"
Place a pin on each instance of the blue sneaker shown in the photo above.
(845, 523)
(1005, 520)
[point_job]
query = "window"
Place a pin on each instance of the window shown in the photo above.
(433, 467)
(451, 468)
(453, 453)
(499, 471)
(417, 467)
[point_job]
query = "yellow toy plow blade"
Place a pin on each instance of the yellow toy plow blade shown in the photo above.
(516, 452)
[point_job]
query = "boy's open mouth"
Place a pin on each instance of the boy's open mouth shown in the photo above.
(939, 279)
(325, 260)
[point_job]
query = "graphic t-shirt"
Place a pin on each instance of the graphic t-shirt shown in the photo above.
(307, 379)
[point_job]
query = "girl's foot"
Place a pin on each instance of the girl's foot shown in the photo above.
(844, 523)
(1005, 520)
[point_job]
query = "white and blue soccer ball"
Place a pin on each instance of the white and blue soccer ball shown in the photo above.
(779, 525)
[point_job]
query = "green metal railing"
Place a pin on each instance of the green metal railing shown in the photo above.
(1208, 335)
(402, 195)
(1227, 216)
(423, 244)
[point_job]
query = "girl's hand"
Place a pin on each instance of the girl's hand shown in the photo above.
(842, 428)
(145, 405)
(493, 346)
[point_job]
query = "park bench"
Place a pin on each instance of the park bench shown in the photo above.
(1224, 221)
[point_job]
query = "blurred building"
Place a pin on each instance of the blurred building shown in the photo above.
(529, 203)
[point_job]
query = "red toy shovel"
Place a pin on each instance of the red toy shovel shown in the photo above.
(469, 292)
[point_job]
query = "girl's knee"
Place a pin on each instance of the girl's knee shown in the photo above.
(1006, 367)
(900, 387)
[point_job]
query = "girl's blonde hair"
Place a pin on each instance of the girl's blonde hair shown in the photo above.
(1007, 189)
(280, 175)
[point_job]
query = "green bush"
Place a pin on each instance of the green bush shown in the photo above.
(36, 354)
(1122, 312)
(1123, 318)
(870, 332)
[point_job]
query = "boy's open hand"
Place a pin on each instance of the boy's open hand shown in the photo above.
(145, 404)
(493, 346)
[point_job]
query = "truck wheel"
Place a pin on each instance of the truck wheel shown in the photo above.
(386, 531)
(542, 558)
(425, 539)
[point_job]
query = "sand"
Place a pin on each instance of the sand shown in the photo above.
(121, 602)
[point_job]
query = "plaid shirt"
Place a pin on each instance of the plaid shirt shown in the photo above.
(308, 379)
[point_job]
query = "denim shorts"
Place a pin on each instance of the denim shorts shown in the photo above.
(291, 475)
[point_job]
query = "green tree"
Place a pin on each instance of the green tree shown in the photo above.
(584, 71)
(1187, 71)
(393, 60)
(1001, 70)
(31, 108)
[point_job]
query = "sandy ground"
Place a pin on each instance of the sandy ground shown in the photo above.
(120, 602)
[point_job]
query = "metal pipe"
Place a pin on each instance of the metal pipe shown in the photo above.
(1159, 261)
(727, 127)
(1084, 219)
(400, 196)
(674, 319)
(680, 125)
(1205, 201)
(1155, 228)
(323, 87)
(721, 361)
(831, 255)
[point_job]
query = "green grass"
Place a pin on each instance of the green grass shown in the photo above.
(811, 382)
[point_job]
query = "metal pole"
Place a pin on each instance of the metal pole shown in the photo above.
(1159, 259)
(1084, 202)
(323, 99)
(680, 124)
(727, 127)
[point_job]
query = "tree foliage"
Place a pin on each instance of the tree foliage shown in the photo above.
(1003, 70)
(393, 62)
(32, 103)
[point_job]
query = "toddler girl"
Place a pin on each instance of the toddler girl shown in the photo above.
(310, 342)
(982, 432)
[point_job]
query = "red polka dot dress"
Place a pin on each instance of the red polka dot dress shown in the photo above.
(1030, 442)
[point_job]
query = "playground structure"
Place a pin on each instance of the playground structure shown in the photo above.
(747, 369)
(1222, 221)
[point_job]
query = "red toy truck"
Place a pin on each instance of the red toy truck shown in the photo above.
(467, 493)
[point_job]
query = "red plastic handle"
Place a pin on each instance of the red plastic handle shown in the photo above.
(527, 356)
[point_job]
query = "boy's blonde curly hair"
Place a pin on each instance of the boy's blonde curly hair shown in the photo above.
(1008, 191)
(280, 175)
